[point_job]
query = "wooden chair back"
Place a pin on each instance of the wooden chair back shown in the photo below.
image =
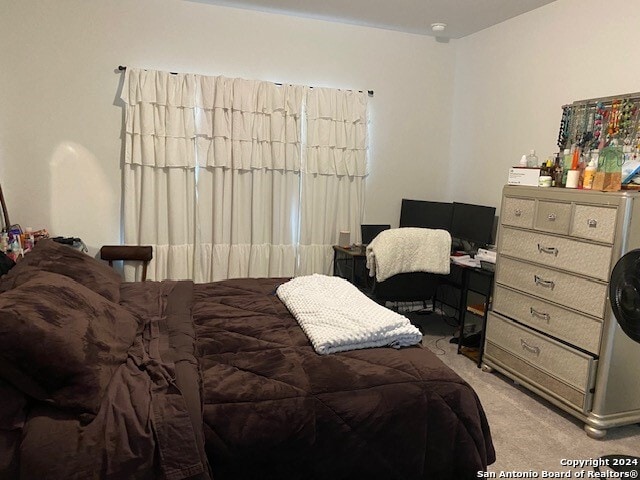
(138, 253)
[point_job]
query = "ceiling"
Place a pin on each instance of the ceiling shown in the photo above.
(463, 17)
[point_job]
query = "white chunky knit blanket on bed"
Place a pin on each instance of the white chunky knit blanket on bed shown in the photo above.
(337, 317)
(409, 249)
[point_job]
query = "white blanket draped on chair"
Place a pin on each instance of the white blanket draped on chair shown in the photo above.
(409, 249)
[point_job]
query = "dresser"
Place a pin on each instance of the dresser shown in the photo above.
(551, 327)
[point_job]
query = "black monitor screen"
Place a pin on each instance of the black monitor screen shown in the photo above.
(369, 232)
(424, 214)
(473, 223)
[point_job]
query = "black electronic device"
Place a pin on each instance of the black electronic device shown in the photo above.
(72, 242)
(370, 231)
(624, 296)
(624, 293)
(426, 214)
(6, 263)
(472, 223)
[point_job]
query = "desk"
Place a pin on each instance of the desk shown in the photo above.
(485, 277)
(351, 264)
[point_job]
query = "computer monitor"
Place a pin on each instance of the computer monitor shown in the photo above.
(426, 214)
(369, 232)
(473, 223)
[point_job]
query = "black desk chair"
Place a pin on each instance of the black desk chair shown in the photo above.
(406, 287)
(139, 253)
(368, 232)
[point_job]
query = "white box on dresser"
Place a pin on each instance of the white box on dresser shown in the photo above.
(551, 327)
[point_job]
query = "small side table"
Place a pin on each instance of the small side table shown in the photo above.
(467, 273)
(348, 262)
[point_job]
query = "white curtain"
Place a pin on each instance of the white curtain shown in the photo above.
(159, 167)
(248, 144)
(215, 181)
(333, 174)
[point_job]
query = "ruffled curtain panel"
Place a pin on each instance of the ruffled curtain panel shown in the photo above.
(336, 132)
(220, 181)
(333, 174)
(159, 170)
(248, 124)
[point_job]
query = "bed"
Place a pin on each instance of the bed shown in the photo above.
(154, 380)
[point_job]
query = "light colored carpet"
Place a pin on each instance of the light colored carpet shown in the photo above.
(528, 432)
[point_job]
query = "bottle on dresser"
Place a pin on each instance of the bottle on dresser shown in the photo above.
(566, 165)
(558, 172)
(582, 164)
(546, 174)
(590, 173)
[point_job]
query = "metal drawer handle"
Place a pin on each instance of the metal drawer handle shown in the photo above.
(552, 217)
(526, 346)
(544, 316)
(550, 250)
(592, 223)
(518, 212)
(544, 283)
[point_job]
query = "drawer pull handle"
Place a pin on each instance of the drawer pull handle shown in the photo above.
(550, 250)
(592, 223)
(518, 212)
(529, 348)
(551, 217)
(544, 316)
(544, 283)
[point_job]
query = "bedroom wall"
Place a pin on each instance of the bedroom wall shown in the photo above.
(511, 81)
(60, 126)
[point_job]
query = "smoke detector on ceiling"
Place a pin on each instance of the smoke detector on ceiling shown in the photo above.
(438, 27)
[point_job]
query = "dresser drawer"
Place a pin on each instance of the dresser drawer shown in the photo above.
(518, 212)
(556, 359)
(579, 330)
(594, 223)
(563, 253)
(547, 384)
(553, 217)
(587, 296)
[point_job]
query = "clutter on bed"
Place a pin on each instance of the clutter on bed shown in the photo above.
(104, 379)
(15, 242)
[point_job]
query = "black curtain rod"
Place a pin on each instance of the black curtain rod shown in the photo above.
(122, 68)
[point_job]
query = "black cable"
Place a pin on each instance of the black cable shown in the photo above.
(438, 347)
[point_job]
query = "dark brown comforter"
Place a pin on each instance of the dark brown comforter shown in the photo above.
(148, 424)
(273, 408)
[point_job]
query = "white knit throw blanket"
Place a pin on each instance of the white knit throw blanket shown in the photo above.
(409, 249)
(336, 316)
